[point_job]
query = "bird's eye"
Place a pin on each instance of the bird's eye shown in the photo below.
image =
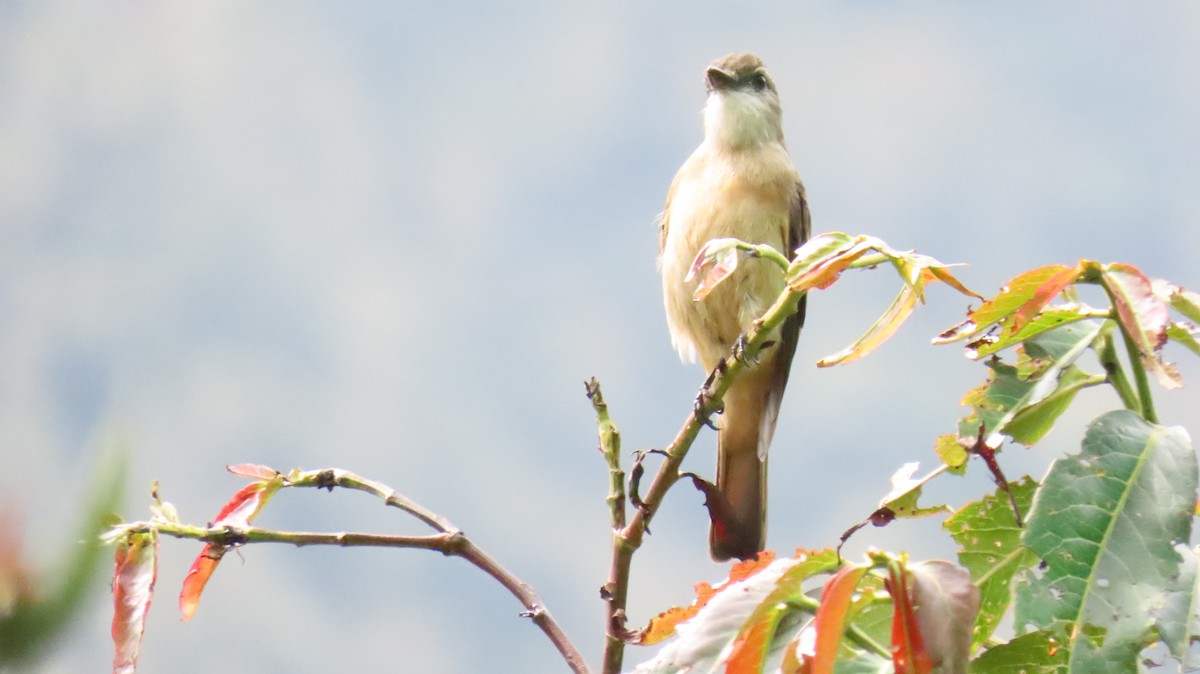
(759, 81)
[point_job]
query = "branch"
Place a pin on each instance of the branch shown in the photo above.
(628, 539)
(449, 540)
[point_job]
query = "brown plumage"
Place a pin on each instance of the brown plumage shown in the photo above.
(739, 183)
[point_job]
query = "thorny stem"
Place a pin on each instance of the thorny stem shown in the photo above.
(628, 539)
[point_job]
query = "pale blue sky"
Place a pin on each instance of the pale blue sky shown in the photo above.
(396, 238)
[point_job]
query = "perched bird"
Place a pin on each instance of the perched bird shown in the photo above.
(739, 183)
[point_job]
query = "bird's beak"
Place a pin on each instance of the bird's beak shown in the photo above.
(718, 80)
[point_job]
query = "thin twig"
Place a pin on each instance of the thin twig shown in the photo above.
(449, 540)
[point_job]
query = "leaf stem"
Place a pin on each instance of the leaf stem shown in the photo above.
(1111, 362)
(1140, 376)
(853, 632)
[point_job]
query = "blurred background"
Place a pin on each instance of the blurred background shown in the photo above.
(397, 237)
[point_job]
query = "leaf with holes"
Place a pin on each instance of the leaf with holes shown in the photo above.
(989, 546)
(1106, 523)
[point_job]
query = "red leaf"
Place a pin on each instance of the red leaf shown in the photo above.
(908, 646)
(136, 571)
(830, 620)
(197, 577)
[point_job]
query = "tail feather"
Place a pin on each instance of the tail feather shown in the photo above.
(747, 425)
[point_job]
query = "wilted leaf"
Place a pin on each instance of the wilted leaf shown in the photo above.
(1106, 523)
(133, 589)
(989, 541)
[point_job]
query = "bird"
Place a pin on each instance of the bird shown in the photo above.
(741, 183)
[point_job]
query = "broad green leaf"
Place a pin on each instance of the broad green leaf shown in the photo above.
(1025, 409)
(989, 546)
(1033, 653)
(1106, 523)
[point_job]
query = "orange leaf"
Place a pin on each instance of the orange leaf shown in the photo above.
(1045, 292)
(663, 625)
(830, 620)
(238, 512)
(197, 577)
(823, 258)
(750, 648)
(133, 589)
(879, 332)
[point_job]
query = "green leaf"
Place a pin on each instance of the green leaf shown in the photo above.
(1106, 523)
(1026, 408)
(37, 622)
(1034, 653)
(997, 340)
(1184, 334)
(989, 542)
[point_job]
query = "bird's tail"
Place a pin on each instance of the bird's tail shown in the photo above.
(746, 428)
